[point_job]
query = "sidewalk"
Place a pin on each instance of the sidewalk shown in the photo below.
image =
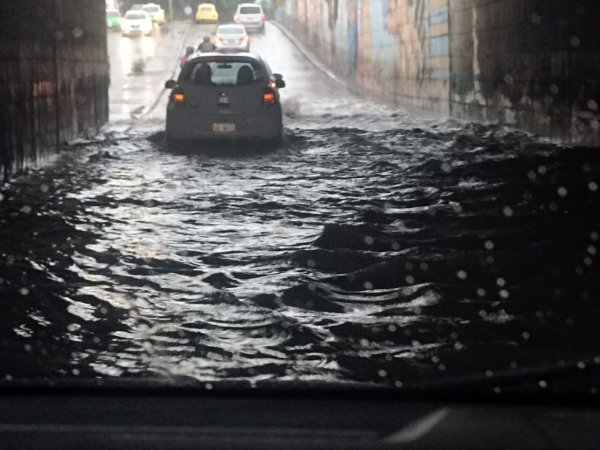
(132, 95)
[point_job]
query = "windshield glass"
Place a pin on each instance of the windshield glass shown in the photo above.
(360, 194)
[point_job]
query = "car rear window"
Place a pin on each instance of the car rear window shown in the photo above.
(112, 14)
(224, 72)
(135, 16)
(231, 30)
(250, 10)
(151, 8)
(206, 8)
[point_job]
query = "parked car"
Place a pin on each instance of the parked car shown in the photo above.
(156, 12)
(251, 16)
(225, 96)
(232, 38)
(136, 23)
(113, 19)
(207, 13)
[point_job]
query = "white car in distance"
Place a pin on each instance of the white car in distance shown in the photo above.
(155, 12)
(232, 37)
(136, 23)
(251, 16)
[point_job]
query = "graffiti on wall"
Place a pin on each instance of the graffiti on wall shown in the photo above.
(388, 45)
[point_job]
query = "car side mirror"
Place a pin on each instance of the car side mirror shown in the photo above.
(170, 84)
(279, 83)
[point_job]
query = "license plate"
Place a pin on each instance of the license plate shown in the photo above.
(223, 127)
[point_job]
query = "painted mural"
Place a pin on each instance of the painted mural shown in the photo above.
(390, 47)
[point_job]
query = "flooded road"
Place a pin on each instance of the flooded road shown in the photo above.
(373, 246)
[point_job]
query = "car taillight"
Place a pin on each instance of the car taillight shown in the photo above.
(236, 17)
(269, 96)
(244, 38)
(178, 97)
(263, 17)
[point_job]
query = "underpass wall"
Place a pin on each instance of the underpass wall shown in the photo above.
(54, 77)
(531, 64)
(398, 50)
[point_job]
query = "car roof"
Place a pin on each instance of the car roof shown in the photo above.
(248, 4)
(137, 11)
(230, 25)
(209, 55)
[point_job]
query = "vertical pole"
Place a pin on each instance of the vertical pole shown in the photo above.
(171, 10)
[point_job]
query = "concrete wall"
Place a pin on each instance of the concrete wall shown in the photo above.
(533, 64)
(54, 76)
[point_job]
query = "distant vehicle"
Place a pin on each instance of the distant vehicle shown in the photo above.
(225, 96)
(207, 13)
(156, 12)
(251, 16)
(113, 19)
(137, 7)
(136, 23)
(232, 37)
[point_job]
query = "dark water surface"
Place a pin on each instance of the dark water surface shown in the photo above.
(387, 256)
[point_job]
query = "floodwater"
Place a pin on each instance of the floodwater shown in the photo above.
(371, 247)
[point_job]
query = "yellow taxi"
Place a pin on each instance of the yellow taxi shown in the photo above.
(207, 13)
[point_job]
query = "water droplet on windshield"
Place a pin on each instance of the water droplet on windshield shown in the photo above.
(461, 274)
(575, 41)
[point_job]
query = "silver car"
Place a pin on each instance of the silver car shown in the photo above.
(225, 96)
(232, 38)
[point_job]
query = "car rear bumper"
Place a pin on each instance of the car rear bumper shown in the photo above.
(181, 125)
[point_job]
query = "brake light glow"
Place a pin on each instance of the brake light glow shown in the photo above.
(179, 97)
(269, 97)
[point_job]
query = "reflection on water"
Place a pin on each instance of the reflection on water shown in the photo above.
(387, 255)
